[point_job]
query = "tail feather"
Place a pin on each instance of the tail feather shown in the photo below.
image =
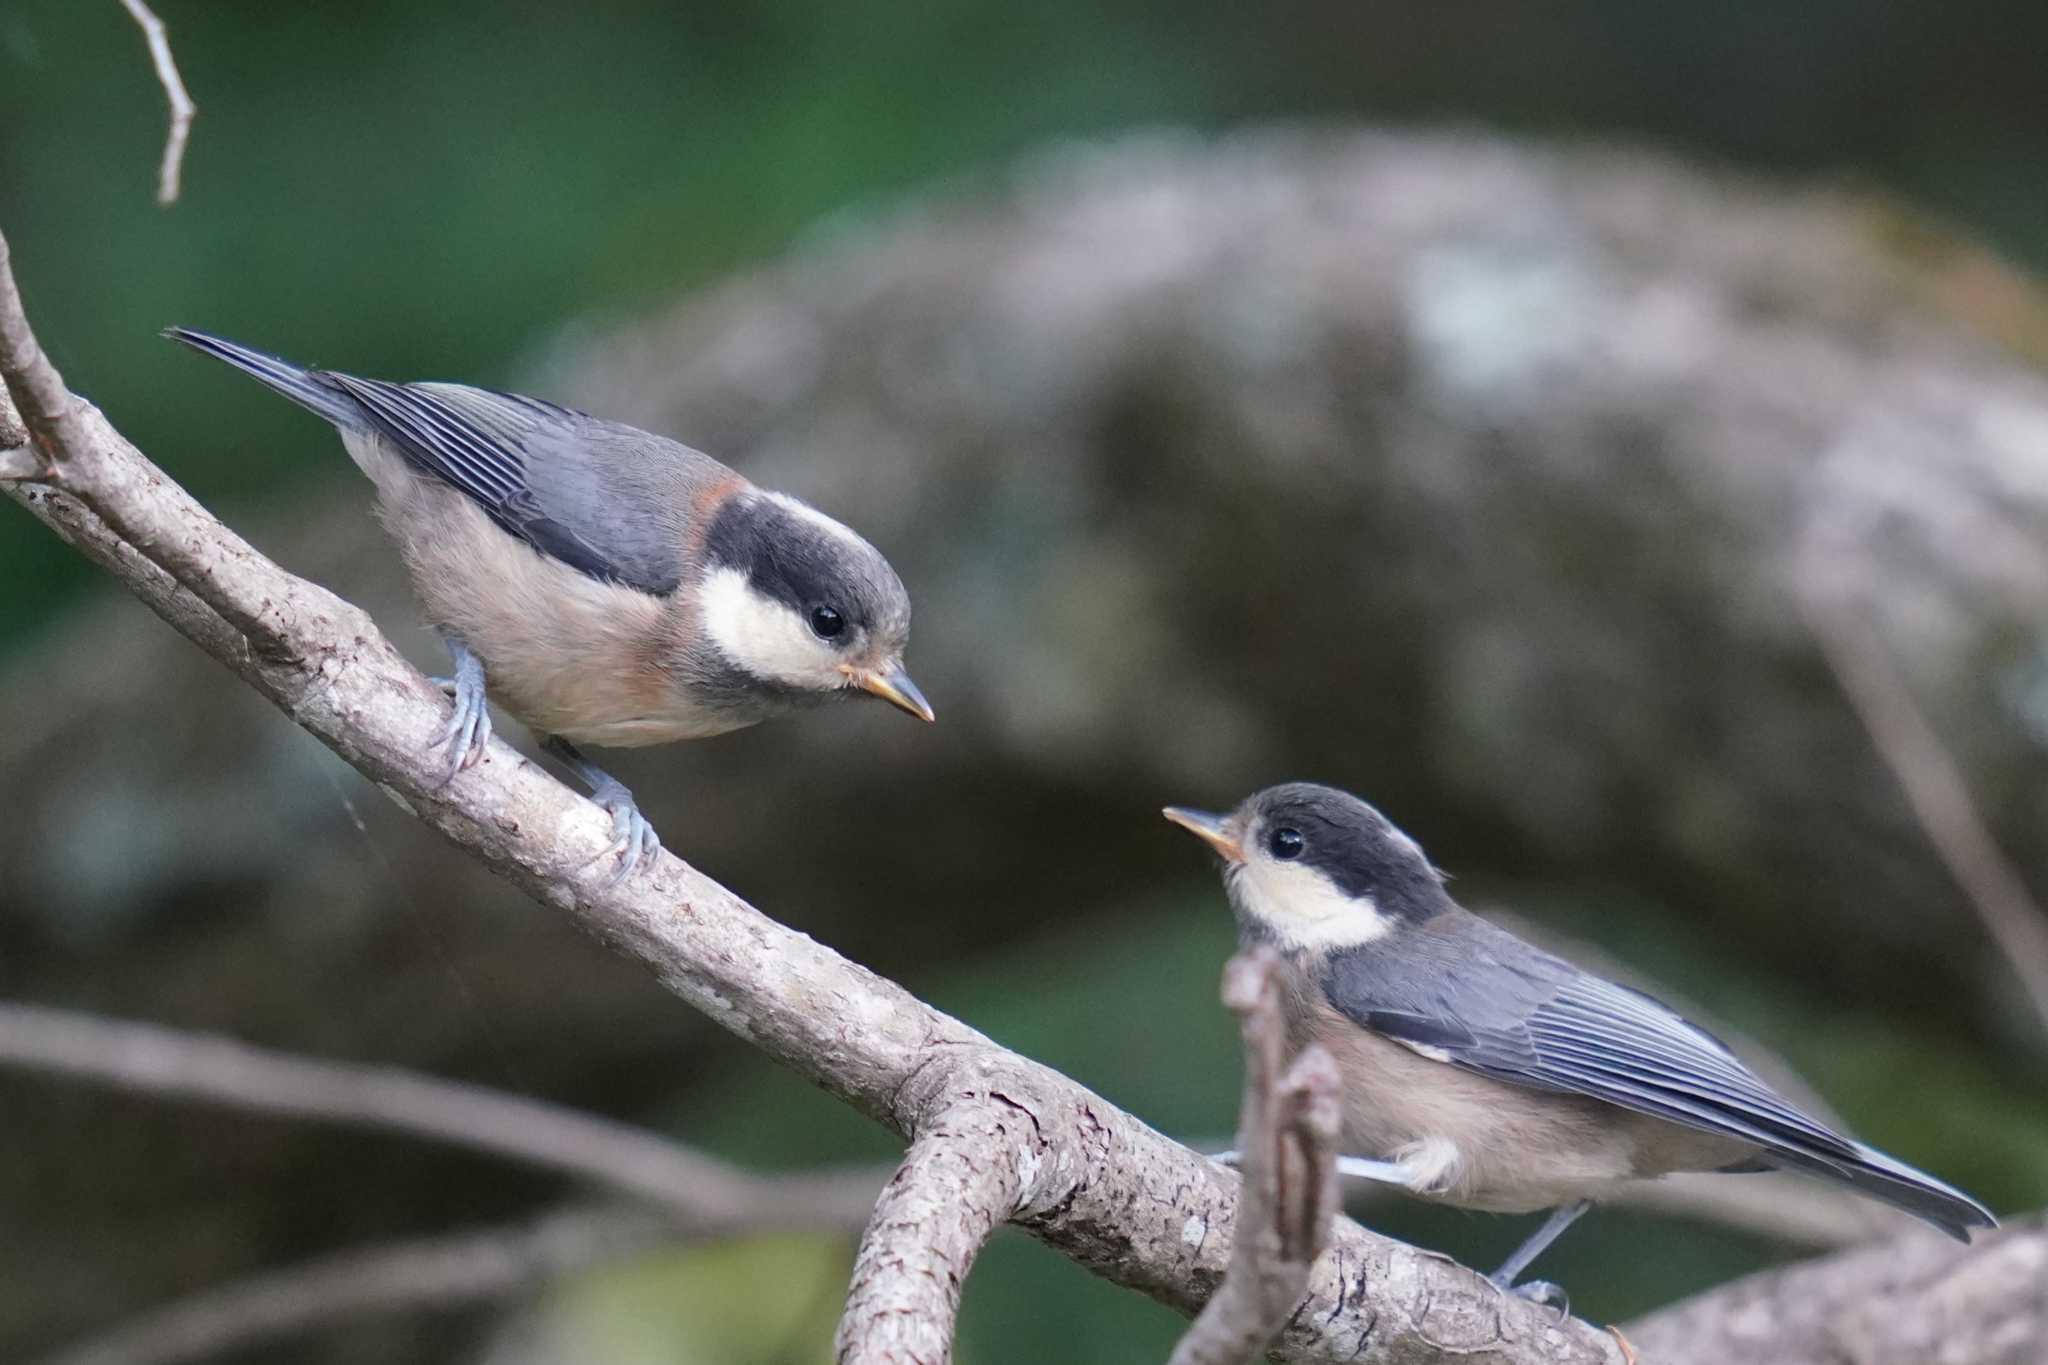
(293, 381)
(1878, 1176)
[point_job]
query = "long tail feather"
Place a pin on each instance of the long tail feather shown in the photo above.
(1893, 1182)
(293, 381)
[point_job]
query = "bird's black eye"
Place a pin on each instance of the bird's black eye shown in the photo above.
(1284, 844)
(827, 623)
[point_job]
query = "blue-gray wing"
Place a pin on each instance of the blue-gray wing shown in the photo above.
(550, 475)
(1539, 1022)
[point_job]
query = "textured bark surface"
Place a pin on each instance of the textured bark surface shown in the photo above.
(1919, 1300)
(958, 1183)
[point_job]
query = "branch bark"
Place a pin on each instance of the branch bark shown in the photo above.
(1918, 1299)
(957, 1185)
(1094, 1182)
(1287, 1150)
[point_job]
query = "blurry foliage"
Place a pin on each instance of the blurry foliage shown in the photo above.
(415, 190)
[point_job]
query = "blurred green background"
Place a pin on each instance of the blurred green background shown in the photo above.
(440, 191)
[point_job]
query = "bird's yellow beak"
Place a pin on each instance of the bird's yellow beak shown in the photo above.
(1210, 829)
(893, 686)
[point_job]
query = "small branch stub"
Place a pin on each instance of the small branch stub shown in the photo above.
(1287, 1145)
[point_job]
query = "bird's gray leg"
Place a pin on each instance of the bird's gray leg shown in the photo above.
(1541, 1291)
(468, 730)
(634, 840)
(1358, 1167)
(1386, 1172)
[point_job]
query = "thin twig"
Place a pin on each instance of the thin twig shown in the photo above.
(429, 1272)
(156, 1060)
(1937, 792)
(182, 107)
(1287, 1149)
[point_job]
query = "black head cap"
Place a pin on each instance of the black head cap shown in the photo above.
(1364, 854)
(818, 568)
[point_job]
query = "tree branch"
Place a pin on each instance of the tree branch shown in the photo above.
(1096, 1184)
(1287, 1150)
(959, 1182)
(157, 1060)
(1917, 1299)
(429, 1272)
(182, 108)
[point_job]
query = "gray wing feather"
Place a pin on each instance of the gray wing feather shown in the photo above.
(609, 501)
(603, 498)
(1540, 1022)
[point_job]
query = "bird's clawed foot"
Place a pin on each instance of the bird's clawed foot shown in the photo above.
(1540, 1291)
(633, 839)
(467, 733)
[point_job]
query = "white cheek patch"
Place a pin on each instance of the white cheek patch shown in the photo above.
(1302, 907)
(763, 636)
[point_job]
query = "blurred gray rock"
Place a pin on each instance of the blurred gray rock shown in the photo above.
(1480, 477)
(1476, 476)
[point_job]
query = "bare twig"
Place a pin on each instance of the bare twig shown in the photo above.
(182, 108)
(1287, 1150)
(430, 1272)
(954, 1188)
(1094, 1182)
(1937, 792)
(157, 1060)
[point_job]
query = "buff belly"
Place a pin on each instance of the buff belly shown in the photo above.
(564, 653)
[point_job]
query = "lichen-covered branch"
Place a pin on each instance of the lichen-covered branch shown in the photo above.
(1096, 1183)
(1287, 1150)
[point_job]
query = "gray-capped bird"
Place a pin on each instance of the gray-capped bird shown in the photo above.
(605, 585)
(1485, 1073)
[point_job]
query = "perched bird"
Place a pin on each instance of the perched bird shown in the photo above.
(604, 585)
(1485, 1073)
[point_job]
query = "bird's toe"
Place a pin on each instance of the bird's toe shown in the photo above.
(1545, 1293)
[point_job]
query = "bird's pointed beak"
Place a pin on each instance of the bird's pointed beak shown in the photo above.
(1212, 830)
(894, 686)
